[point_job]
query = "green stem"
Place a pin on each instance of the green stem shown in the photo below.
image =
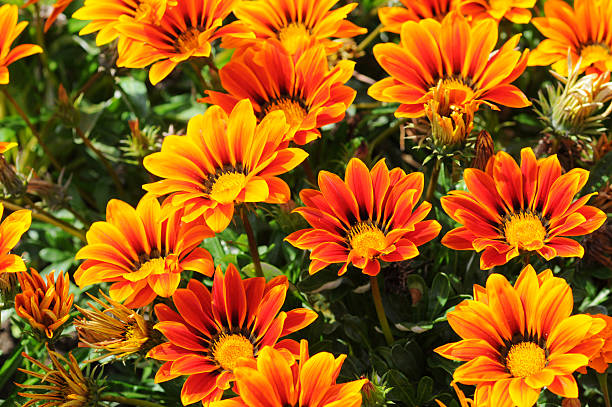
(433, 181)
(603, 383)
(198, 71)
(46, 217)
(128, 401)
(252, 242)
(371, 37)
(380, 310)
(382, 136)
(312, 179)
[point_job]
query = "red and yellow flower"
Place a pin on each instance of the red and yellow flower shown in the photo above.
(11, 230)
(392, 18)
(516, 11)
(368, 217)
(298, 25)
(185, 31)
(584, 31)
(45, 305)
(304, 88)
(142, 251)
(518, 339)
(509, 209)
(603, 357)
(213, 330)
(9, 31)
(106, 14)
(275, 380)
(224, 160)
(453, 57)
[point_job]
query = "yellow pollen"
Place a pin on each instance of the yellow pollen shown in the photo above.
(294, 112)
(525, 359)
(293, 32)
(365, 237)
(188, 40)
(227, 349)
(227, 186)
(594, 53)
(525, 231)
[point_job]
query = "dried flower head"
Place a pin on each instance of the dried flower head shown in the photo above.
(577, 106)
(45, 305)
(598, 246)
(12, 183)
(54, 194)
(114, 328)
(485, 149)
(64, 382)
(8, 289)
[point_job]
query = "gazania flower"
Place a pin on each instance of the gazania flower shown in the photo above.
(450, 124)
(58, 8)
(114, 329)
(392, 18)
(449, 55)
(509, 209)
(603, 357)
(106, 14)
(64, 382)
(275, 380)
(298, 25)
(305, 89)
(9, 31)
(212, 331)
(584, 31)
(369, 217)
(142, 251)
(518, 339)
(45, 305)
(516, 11)
(185, 31)
(222, 161)
(11, 230)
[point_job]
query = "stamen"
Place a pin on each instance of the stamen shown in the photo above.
(293, 109)
(228, 349)
(365, 238)
(525, 359)
(525, 231)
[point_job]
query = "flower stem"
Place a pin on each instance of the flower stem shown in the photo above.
(35, 132)
(433, 181)
(46, 217)
(128, 401)
(603, 383)
(371, 37)
(252, 242)
(310, 175)
(380, 310)
(206, 85)
(382, 136)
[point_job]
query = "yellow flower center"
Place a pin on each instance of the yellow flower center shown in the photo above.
(227, 186)
(525, 359)
(293, 36)
(525, 231)
(228, 349)
(153, 266)
(294, 112)
(188, 40)
(365, 237)
(594, 53)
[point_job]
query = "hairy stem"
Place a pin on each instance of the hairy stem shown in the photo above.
(252, 242)
(380, 310)
(371, 37)
(433, 181)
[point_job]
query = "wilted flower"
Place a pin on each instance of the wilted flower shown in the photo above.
(64, 382)
(576, 107)
(485, 149)
(451, 124)
(45, 305)
(8, 289)
(598, 246)
(114, 328)
(54, 193)
(11, 182)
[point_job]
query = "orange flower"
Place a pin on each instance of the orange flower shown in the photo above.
(463, 401)
(305, 89)
(603, 357)
(212, 331)
(276, 380)
(58, 8)
(298, 25)
(46, 306)
(455, 56)
(222, 161)
(510, 209)
(514, 10)
(143, 251)
(185, 31)
(392, 18)
(11, 230)
(517, 340)
(6, 146)
(9, 31)
(584, 31)
(370, 216)
(106, 14)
